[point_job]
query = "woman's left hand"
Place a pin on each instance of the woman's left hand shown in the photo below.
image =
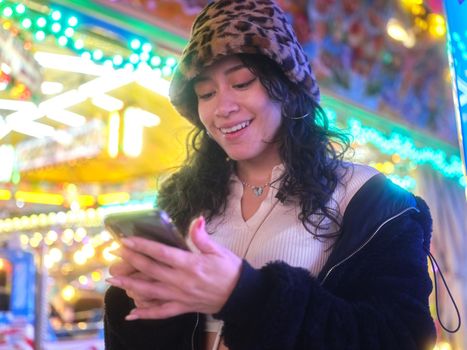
(178, 281)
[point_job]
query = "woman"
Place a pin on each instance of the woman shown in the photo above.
(291, 247)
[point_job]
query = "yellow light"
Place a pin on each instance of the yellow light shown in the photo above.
(396, 31)
(88, 251)
(56, 254)
(25, 222)
(34, 243)
(40, 198)
(86, 200)
(80, 233)
(417, 10)
(5, 195)
(408, 4)
(96, 276)
(421, 23)
(2, 264)
(48, 262)
(114, 134)
(68, 293)
(442, 345)
(83, 280)
(396, 158)
(106, 236)
(49, 219)
(79, 258)
(24, 239)
(377, 166)
(135, 120)
(67, 236)
(107, 252)
(113, 198)
(437, 25)
(50, 237)
(388, 168)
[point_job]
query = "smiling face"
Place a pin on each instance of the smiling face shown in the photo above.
(237, 111)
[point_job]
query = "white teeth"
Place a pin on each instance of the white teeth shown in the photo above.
(235, 127)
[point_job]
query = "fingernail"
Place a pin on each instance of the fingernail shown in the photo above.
(114, 281)
(128, 242)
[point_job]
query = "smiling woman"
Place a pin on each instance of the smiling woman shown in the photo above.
(291, 247)
(236, 110)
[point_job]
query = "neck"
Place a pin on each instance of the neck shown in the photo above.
(256, 172)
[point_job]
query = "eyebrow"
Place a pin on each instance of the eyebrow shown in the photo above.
(228, 71)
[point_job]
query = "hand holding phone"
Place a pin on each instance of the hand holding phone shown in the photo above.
(153, 224)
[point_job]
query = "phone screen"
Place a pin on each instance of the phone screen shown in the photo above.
(151, 224)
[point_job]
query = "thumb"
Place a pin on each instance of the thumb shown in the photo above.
(200, 237)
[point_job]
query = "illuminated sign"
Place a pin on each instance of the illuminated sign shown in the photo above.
(77, 143)
(456, 13)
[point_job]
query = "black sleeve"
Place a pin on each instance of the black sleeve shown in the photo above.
(377, 299)
(176, 333)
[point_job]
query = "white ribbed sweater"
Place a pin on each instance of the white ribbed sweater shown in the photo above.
(281, 236)
(274, 232)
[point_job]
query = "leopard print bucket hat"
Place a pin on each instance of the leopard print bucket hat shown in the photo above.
(226, 27)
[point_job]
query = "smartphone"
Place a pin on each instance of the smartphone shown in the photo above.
(153, 224)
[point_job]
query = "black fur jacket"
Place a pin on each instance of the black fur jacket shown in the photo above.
(371, 294)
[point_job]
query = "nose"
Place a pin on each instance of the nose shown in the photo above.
(226, 105)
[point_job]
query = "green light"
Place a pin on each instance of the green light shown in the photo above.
(147, 47)
(157, 72)
(69, 32)
(405, 147)
(56, 27)
(128, 66)
(20, 8)
(117, 60)
(406, 182)
(63, 40)
(97, 55)
(170, 62)
(40, 35)
(456, 36)
(134, 58)
(79, 44)
(155, 61)
(462, 46)
(108, 63)
(41, 22)
(86, 55)
(135, 44)
(56, 15)
(166, 71)
(7, 12)
(26, 23)
(144, 56)
(72, 21)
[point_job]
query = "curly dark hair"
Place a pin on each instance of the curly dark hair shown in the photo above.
(310, 150)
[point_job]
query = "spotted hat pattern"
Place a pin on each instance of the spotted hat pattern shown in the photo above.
(227, 27)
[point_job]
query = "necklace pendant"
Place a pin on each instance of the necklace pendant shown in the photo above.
(258, 191)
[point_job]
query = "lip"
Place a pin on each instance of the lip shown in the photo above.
(230, 125)
(236, 134)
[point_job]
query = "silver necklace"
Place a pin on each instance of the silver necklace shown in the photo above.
(257, 190)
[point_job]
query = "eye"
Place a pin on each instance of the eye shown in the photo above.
(245, 84)
(205, 96)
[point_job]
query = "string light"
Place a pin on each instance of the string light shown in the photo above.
(64, 28)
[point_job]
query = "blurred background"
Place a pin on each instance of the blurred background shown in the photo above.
(86, 129)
